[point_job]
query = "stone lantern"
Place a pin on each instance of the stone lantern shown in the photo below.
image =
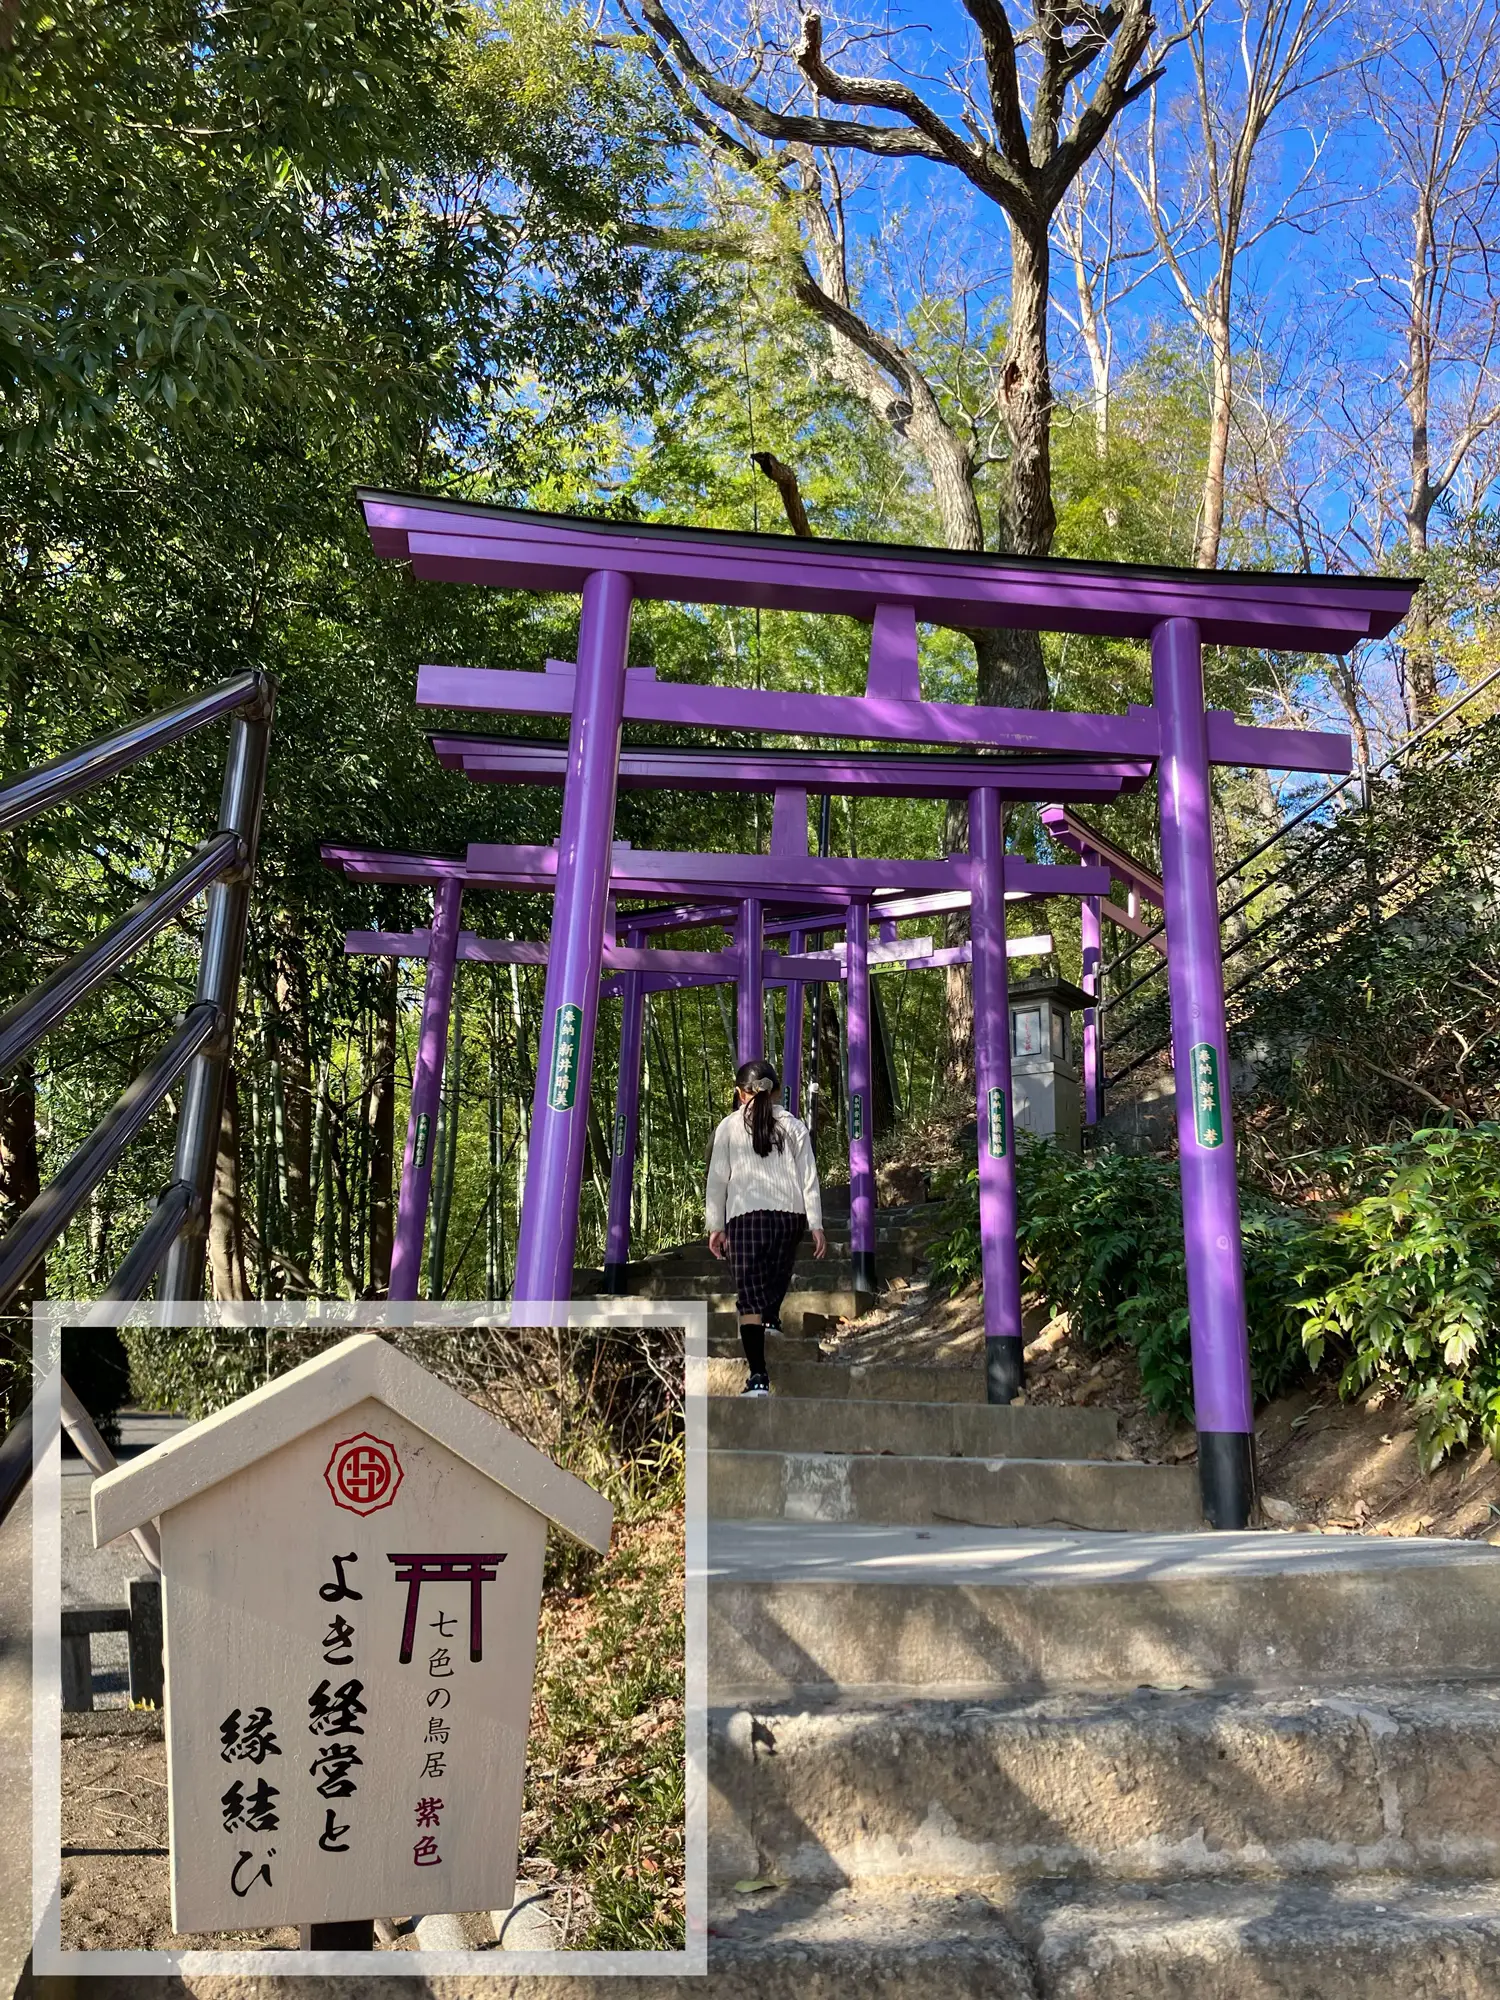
(1045, 1084)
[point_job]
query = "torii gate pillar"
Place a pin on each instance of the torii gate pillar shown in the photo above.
(1000, 1262)
(627, 1125)
(1223, 1410)
(570, 1009)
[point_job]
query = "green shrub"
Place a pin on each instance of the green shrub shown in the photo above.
(1401, 1283)
(1395, 1278)
(1101, 1240)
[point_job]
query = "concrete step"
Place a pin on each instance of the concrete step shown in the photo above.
(877, 1381)
(931, 1430)
(820, 1486)
(804, 1611)
(810, 1274)
(1384, 1937)
(1151, 1786)
(834, 1947)
(782, 1349)
(844, 1305)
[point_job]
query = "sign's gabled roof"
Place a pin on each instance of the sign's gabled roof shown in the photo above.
(358, 1369)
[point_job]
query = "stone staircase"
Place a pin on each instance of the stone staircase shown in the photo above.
(963, 1743)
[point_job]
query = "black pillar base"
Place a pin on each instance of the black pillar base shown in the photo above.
(357, 1934)
(1004, 1371)
(863, 1262)
(614, 1280)
(1226, 1478)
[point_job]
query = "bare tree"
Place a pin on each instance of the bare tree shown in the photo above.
(1432, 94)
(759, 104)
(1105, 267)
(1208, 215)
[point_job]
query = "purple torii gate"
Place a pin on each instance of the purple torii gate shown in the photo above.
(791, 777)
(791, 970)
(778, 879)
(1068, 830)
(613, 564)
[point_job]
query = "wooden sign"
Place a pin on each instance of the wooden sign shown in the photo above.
(352, 1577)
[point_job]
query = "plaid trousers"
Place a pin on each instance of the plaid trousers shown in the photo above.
(763, 1244)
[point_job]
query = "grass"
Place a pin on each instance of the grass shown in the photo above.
(606, 1789)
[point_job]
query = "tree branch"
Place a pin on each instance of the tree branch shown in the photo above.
(784, 479)
(898, 141)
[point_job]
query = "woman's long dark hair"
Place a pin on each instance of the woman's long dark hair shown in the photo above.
(761, 1080)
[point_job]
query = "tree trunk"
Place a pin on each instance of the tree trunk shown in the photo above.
(381, 1129)
(1211, 523)
(294, 1058)
(226, 1220)
(1031, 521)
(446, 1163)
(1012, 673)
(20, 1167)
(885, 1105)
(957, 1066)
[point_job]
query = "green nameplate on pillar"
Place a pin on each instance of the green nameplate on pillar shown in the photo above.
(563, 1085)
(857, 1114)
(419, 1149)
(619, 1135)
(997, 1124)
(1208, 1102)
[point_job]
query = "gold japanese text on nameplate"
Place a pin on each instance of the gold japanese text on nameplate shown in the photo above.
(1208, 1100)
(562, 1085)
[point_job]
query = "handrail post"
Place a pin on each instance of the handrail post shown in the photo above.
(219, 982)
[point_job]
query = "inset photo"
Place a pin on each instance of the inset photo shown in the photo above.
(364, 1639)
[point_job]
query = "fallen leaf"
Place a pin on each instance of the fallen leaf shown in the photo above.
(753, 1885)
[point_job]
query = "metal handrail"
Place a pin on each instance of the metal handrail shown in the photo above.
(26, 1242)
(25, 1023)
(81, 770)
(1237, 867)
(1279, 915)
(174, 1236)
(174, 1207)
(15, 1461)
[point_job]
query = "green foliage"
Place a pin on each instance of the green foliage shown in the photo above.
(1101, 1239)
(1403, 1284)
(167, 169)
(605, 1777)
(1396, 1279)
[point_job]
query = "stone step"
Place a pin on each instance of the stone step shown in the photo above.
(681, 1277)
(932, 1946)
(1384, 1937)
(804, 1611)
(782, 1349)
(878, 1381)
(833, 1487)
(1147, 1785)
(930, 1430)
(838, 1304)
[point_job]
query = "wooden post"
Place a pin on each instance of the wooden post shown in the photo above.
(147, 1682)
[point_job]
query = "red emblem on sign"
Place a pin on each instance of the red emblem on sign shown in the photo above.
(363, 1473)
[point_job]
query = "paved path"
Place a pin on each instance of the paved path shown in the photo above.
(102, 1576)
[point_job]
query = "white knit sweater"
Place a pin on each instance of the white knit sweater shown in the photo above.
(739, 1179)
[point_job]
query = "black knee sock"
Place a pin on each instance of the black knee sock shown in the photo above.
(753, 1339)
